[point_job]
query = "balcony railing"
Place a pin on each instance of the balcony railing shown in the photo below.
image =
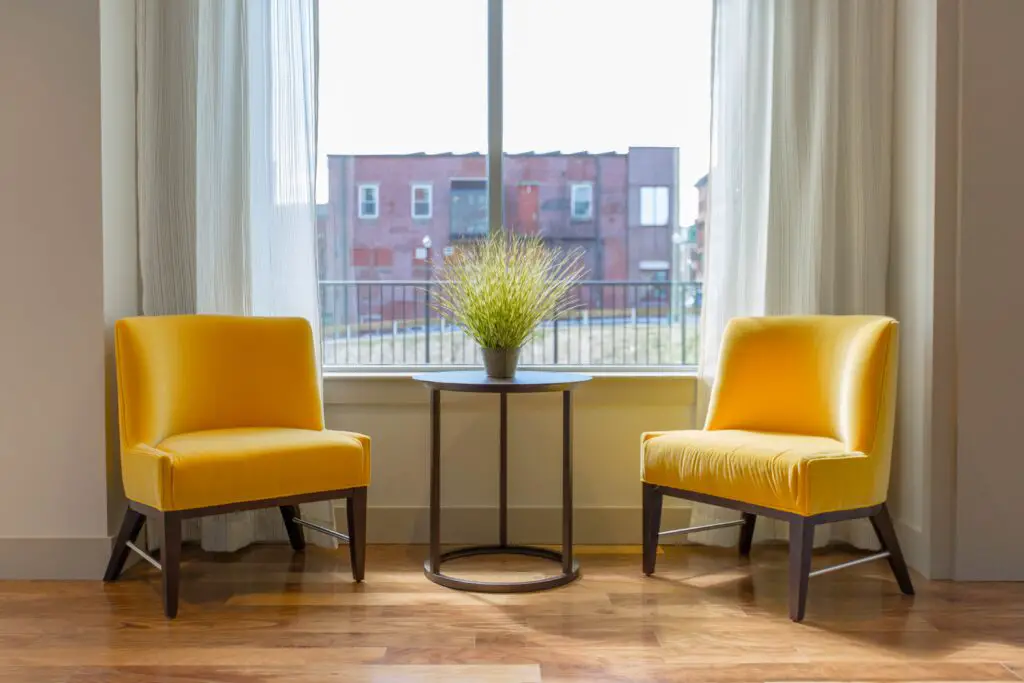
(615, 324)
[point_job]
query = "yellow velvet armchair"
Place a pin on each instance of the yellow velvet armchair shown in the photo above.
(799, 428)
(220, 414)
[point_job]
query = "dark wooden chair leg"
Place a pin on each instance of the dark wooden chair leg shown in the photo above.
(651, 525)
(295, 535)
(801, 544)
(170, 561)
(355, 509)
(882, 523)
(747, 533)
(130, 528)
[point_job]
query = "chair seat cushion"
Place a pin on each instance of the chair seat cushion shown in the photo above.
(223, 466)
(805, 475)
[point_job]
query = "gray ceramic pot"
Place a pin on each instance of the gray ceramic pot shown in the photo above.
(501, 363)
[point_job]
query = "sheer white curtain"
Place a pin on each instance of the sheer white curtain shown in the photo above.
(798, 213)
(226, 164)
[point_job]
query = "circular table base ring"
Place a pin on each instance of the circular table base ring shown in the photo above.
(503, 586)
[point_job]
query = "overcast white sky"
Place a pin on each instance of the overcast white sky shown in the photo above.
(399, 76)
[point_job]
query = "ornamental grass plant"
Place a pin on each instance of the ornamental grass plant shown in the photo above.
(498, 290)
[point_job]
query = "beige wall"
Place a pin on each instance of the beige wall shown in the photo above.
(52, 444)
(940, 470)
(67, 270)
(990, 459)
(922, 278)
(120, 227)
(610, 415)
(911, 267)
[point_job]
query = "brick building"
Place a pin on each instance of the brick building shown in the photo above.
(691, 253)
(383, 210)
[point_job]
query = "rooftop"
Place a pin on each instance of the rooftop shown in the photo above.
(550, 153)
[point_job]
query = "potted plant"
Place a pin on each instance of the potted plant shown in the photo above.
(498, 290)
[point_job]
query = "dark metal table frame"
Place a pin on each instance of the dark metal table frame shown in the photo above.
(524, 382)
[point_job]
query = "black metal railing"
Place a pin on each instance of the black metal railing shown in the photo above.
(391, 323)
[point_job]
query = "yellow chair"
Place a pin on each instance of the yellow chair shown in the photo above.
(223, 413)
(799, 428)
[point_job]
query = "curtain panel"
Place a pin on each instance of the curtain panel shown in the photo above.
(226, 109)
(800, 181)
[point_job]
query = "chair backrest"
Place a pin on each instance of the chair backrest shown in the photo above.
(186, 373)
(831, 376)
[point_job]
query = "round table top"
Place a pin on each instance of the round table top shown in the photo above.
(525, 381)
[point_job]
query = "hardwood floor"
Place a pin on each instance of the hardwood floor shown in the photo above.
(267, 614)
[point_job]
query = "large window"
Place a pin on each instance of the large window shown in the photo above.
(422, 200)
(369, 201)
(654, 206)
(468, 208)
(582, 202)
(583, 123)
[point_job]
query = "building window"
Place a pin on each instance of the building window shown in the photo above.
(369, 201)
(422, 200)
(582, 201)
(469, 208)
(653, 206)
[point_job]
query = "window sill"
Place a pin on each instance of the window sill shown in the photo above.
(396, 387)
(406, 373)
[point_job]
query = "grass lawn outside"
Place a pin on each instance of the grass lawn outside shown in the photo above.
(597, 342)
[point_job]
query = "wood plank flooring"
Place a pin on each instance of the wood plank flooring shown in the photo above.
(268, 615)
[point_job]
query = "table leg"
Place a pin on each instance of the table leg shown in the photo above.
(435, 480)
(503, 509)
(432, 566)
(567, 481)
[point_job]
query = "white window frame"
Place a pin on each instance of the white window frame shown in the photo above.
(589, 187)
(653, 221)
(430, 201)
(376, 200)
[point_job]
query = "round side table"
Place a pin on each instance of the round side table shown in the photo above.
(525, 382)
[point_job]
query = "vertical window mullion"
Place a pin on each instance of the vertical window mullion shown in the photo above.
(495, 143)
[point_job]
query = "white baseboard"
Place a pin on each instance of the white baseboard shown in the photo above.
(477, 525)
(54, 558)
(86, 558)
(914, 546)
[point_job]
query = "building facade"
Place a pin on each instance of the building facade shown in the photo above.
(388, 216)
(693, 237)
